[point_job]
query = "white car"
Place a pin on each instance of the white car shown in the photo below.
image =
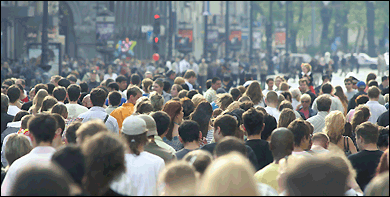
(364, 59)
(305, 57)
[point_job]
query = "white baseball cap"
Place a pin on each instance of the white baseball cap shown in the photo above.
(133, 125)
(150, 124)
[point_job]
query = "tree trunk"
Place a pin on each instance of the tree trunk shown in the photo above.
(363, 41)
(357, 40)
(326, 14)
(370, 28)
(344, 32)
(294, 31)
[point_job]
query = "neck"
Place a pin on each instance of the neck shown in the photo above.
(298, 149)
(254, 137)
(270, 88)
(43, 144)
(175, 130)
(370, 147)
(349, 90)
(273, 105)
(73, 102)
(191, 145)
(16, 103)
(374, 99)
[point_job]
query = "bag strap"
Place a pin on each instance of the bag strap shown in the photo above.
(105, 119)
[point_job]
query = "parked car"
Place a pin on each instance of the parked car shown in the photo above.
(364, 60)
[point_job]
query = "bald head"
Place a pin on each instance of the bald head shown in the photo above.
(282, 143)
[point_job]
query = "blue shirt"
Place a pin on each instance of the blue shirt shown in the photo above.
(123, 100)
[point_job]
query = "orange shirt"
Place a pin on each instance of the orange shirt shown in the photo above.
(122, 112)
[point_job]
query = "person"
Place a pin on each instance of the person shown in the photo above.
(26, 106)
(14, 105)
(190, 79)
(202, 115)
(151, 146)
(200, 159)
(302, 135)
(361, 115)
(362, 99)
(296, 98)
(43, 130)
(304, 88)
(334, 128)
(158, 86)
(157, 101)
(366, 138)
(189, 136)
(87, 101)
(114, 100)
(272, 104)
(348, 86)
(5, 117)
(99, 177)
(336, 104)
(325, 79)
(304, 110)
(142, 168)
(178, 179)
(306, 73)
(323, 105)
(383, 120)
(93, 80)
(376, 109)
(361, 87)
(188, 107)
(211, 93)
(110, 74)
(162, 120)
(175, 110)
(254, 125)
(88, 129)
(378, 186)
(176, 88)
(69, 135)
(122, 82)
(120, 113)
(38, 101)
(74, 109)
(383, 165)
(197, 99)
(98, 96)
(236, 94)
(146, 86)
(384, 84)
(253, 91)
(381, 99)
(281, 145)
(225, 125)
(286, 117)
(202, 76)
(344, 100)
(320, 143)
(183, 66)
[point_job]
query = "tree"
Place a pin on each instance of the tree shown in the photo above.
(370, 28)
(295, 26)
(326, 14)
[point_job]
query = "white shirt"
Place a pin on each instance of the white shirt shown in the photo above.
(273, 112)
(376, 110)
(336, 104)
(190, 86)
(100, 113)
(75, 110)
(141, 176)
(318, 121)
(39, 155)
(107, 76)
(295, 103)
(184, 66)
(13, 110)
(195, 68)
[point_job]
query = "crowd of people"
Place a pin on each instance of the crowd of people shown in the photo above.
(182, 128)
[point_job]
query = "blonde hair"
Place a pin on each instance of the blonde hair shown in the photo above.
(378, 186)
(16, 146)
(198, 98)
(178, 179)
(229, 175)
(305, 96)
(284, 86)
(307, 66)
(147, 84)
(179, 80)
(295, 93)
(38, 100)
(157, 101)
(334, 125)
(286, 117)
(234, 105)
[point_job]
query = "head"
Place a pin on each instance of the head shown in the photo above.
(70, 132)
(224, 125)
(114, 98)
(278, 80)
(147, 84)
(60, 109)
(284, 86)
(271, 98)
(71, 159)
(190, 76)
(303, 85)
(199, 159)
(383, 139)
(334, 126)
(270, 125)
(176, 88)
(73, 92)
(122, 82)
(327, 88)
(216, 83)
(43, 128)
(4, 103)
(64, 82)
(202, 115)
(13, 93)
(270, 83)
(224, 100)
(236, 94)
(98, 97)
(361, 86)
(282, 143)
(348, 83)
(378, 186)
(301, 133)
(362, 114)
(135, 132)
(88, 129)
(16, 146)
(179, 80)
(189, 132)
(323, 103)
(197, 98)
(306, 67)
(148, 75)
(175, 110)
(366, 134)
(254, 92)
(229, 144)
(320, 139)
(133, 94)
(253, 121)
(179, 179)
(47, 103)
(191, 93)
(158, 86)
(370, 76)
(286, 117)
(162, 120)
(373, 93)
(385, 81)
(87, 101)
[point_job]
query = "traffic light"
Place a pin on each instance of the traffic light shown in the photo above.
(156, 32)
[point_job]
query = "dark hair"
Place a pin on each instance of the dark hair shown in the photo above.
(227, 123)
(384, 78)
(270, 125)
(383, 139)
(167, 86)
(235, 92)
(182, 93)
(60, 109)
(245, 105)
(71, 159)
(253, 121)
(370, 76)
(214, 80)
(162, 120)
(98, 97)
(59, 93)
(50, 88)
(19, 115)
(9, 82)
(208, 83)
(135, 79)
(361, 99)
(134, 141)
(269, 79)
(113, 85)
(114, 97)
(133, 90)
(185, 86)
(64, 82)
(327, 88)
(368, 131)
(4, 103)
(201, 159)
(70, 132)
(144, 107)
(41, 86)
(373, 92)
(287, 95)
(84, 86)
(300, 130)
(189, 131)
(188, 107)
(191, 93)
(48, 102)
(74, 91)
(13, 93)
(229, 144)
(189, 73)
(25, 120)
(42, 127)
(202, 115)
(60, 122)
(224, 100)
(323, 102)
(372, 83)
(71, 78)
(120, 78)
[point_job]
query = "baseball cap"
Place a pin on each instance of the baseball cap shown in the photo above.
(133, 125)
(150, 124)
(360, 84)
(169, 72)
(354, 80)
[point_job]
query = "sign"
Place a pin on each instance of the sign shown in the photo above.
(183, 41)
(280, 38)
(235, 39)
(256, 39)
(105, 36)
(212, 39)
(146, 28)
(54, 58)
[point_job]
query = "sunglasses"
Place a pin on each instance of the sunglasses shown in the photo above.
(347, 84)
(4, 87)
(305, 101)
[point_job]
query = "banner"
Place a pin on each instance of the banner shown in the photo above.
(105, 36)
(235, 40)
(183, 42)
(212, 39)
(280, 39)
(257, 40)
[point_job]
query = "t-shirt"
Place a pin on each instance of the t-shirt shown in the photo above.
(365, 163)
(261, 149)
(181, 153)
(13, 110)
(350, 94)
(268, 175)
(75, 110)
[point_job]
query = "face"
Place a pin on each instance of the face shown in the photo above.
(122, 85)
(157, 88)
(192, 80)
(134, 99)
(304, 69)
(385, 83)
(270, 84)
(217, 85)
(173, 76)
(305, 103)
(277, 82)
(348, 85)
(303, 87)
(174, 91)
(4, 88)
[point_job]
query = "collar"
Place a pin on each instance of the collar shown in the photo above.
(128, 105)
(43, 149)
(371, 102)
(97, 108)
(308, 73)
(157, 137)
(14, 124)
(322, 113)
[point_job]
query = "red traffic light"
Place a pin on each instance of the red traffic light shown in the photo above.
(156, 16)
(156, 57)
(156, 39)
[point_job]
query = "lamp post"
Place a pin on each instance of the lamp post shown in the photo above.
(227, 31)
(45, 39)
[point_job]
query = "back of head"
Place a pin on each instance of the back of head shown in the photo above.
(156, 100)
(48, 102)
(16, 146)
(253, 121)
(229, 144)
(25, 120)
(20, 115)
(162, 120)
(200, 159)
(70, 133)
(368, 131)
(300, 131)
(272, 97)
(270, 125)
(378, 186)
(74, 91)
(323, 102)
(224, 100)
(218, 179)
(227, 123)
(13, 93)
(197, 98)
(361, 99)
(282, 143)
(135, 79)
(90, 128)
(286, 117)
(188, 107)
(189, 131)
(370, 76)
(202, 115)
(373, 92)
(59, 93)
(113, 86)
(98, 97)
(4, 103)
(235, 93)
(114, 98)
(64, 82)
(372, 83)
(334, 125)
(362, 113)
(246, 105)
(42, 127)
(179, 179)
(327, 88)
(60, 109)
(42, 180)
(71, 159)
(254, 92)
(191, 93)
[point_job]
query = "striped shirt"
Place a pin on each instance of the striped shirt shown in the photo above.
(318, 121)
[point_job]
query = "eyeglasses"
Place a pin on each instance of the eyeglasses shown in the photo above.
(305, 101)
(4, 87)
(347, 84)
